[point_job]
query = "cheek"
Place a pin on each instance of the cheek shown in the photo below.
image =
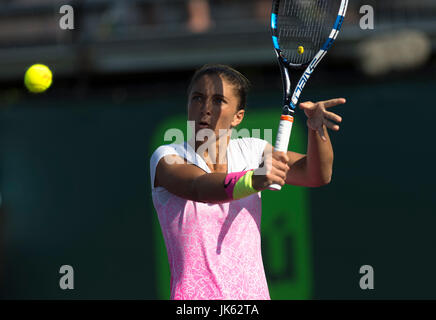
(192, 109)
(226, 119)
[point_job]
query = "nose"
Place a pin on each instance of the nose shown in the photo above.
(206, 108)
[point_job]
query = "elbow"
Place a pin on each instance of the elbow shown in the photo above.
(326, 181)
(321, 181)
(318, 184)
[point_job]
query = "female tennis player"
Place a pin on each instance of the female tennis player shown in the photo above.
(206, 191)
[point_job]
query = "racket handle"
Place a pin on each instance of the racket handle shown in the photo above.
(284, 133)
(282, 140)
(275, 187)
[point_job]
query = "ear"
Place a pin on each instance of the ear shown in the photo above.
(238, 117)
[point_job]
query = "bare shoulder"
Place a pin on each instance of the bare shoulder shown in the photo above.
(173, 169)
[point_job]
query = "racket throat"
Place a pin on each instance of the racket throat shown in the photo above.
(288, 107)
(286, 81)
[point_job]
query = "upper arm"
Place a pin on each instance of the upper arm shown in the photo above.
(189, 181)
(177, 176)
(297, 174)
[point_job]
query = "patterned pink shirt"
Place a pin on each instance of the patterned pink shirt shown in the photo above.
(214, 250)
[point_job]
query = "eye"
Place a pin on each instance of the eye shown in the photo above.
(196, 98)
(219, 100)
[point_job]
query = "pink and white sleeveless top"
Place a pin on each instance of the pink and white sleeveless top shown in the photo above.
(214, 250)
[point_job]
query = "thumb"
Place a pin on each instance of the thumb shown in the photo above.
(307, 105)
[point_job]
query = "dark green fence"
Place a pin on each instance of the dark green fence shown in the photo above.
(76, 191)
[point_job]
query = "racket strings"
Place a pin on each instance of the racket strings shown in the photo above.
(307, 24)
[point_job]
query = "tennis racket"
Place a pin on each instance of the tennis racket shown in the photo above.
(302, 33)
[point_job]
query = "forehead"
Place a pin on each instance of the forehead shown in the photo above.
(214, 84)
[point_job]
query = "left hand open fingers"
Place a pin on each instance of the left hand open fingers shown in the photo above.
(332, 116)
(331, 125)
(333, 102)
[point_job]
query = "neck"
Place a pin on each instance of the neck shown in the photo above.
(214, 150)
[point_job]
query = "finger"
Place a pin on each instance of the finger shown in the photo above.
(275, 177)
(280, 163)
(279, 173)
(321, 133)
(279, 179)
(308, 105)
(331, 125)
(332, 116)
(281, 156)
(281, 166)
(334, 102)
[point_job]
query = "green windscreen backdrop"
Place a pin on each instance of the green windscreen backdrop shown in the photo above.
(75, 188)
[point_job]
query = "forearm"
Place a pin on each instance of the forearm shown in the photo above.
(319, 160)
(189, 182)
(209, 188)
(236, 185)
(192, 183)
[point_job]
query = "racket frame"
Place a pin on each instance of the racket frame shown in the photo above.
(290, 98)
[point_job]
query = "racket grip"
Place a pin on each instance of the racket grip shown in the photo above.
(282, 140)
(275, 187)
(284, 133)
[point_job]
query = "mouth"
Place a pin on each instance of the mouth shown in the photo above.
(203, 124)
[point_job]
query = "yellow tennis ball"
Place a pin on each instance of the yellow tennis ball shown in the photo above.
(38, 78)
(300, 50)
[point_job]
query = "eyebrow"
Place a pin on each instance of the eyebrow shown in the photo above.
(215, 95)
